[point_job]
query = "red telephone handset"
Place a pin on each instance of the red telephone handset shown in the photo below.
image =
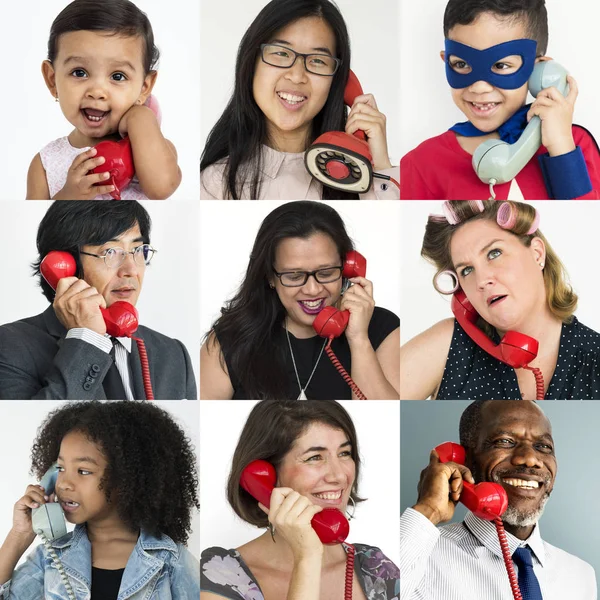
(331, 322)
(515, 349)
(330, 525)
(340, 160)
(121, 318)
(118, 161)
(259, 479)
(485, 500)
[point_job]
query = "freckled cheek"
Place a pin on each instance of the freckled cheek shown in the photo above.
(299, 478)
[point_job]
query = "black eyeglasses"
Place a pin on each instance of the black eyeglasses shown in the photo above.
(284, 58)
(299, 278)
(115, 257)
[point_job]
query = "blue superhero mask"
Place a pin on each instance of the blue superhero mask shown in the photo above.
(482, 62)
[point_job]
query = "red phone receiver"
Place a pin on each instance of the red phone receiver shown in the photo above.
(118, 161)
(121, 318)
(259, 479)
(485, 500)
(340, 160)
(515, 349)
(331, 322)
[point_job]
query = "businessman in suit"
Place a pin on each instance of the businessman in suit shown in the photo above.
(65, 353)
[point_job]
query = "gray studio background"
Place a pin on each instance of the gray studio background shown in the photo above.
(571, 520)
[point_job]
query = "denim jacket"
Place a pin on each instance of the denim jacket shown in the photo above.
(157, 569)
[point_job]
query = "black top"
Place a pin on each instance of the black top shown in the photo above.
(472, 374)
(106, 583)
(327, 383)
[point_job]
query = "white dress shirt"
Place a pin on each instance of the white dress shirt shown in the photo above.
(463, 561)
(105, 343)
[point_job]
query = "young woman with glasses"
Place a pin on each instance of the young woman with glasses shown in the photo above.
(263, 346)
(292, 67)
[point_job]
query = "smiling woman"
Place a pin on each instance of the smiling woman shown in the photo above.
(292, 67)
(313, 448)
(264, 345)
(507, 281)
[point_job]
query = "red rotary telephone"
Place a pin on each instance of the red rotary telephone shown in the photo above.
(330, 525)
(331, 322)
(485, 500)
(340, 160)
(121, 318)
(515, 349)
(118, 161)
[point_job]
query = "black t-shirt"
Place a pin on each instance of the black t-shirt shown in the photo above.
(106, 583)
(326, 383)
(473, 374)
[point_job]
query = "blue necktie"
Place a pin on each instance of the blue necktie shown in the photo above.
(528, 582)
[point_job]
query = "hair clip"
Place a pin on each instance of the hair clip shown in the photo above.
(439, 288)
(507, 218)
(452, 217)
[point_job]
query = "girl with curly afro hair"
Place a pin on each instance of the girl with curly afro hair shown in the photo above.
(127, 479)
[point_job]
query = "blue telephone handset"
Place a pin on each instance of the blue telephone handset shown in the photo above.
(496, 161)
(49, 518)
(49, 523)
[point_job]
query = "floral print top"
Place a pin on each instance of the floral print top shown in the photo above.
(224, 573)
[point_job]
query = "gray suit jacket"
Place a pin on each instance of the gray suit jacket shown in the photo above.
(37, 362)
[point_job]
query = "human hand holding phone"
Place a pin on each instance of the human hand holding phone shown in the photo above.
(77, 304)
(358, 300)
(365, 116)
(440, 487)
(84, 179)
(291, 515)
(555, 111)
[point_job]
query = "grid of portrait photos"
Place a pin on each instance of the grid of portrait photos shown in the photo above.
(240, 240)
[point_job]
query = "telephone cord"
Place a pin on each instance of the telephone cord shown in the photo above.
(512, 576)
(493, 182)
(58, 564)
(349, 572)
(145, 368)
(338, 365)
(388, 178)
(539, 381)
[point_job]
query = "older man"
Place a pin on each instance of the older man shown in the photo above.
(510, 443)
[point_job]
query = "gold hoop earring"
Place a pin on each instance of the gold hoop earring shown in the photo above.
(351, 516)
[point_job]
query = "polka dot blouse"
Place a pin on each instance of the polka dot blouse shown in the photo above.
(472, 374)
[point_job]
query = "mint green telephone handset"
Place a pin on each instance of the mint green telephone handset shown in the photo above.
(49, 523)
(496, 161)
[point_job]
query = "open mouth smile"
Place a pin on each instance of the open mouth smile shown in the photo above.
(312, 307)
(93, 116)
(292, 101)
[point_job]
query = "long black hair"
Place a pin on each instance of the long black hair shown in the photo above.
(252, 321)
(241, 129)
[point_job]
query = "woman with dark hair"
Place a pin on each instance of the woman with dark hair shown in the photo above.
(313, 447)
(291, 71)
(263, 346)
(125, 475)
(498, 258)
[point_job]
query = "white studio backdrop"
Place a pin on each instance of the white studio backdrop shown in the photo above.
(19, 422)
(169, 299)
(570, 228)
(228, 230)
(427, 107)
(374, 42)
(32, 118)
(378, 431)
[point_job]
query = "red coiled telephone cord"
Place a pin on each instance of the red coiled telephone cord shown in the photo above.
(349, 572)
(512, 576)
(145, 368)
(539, 381)
(338, 365)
